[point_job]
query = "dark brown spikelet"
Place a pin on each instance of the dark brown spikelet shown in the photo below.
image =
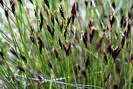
(6, 12)
(72, 32)
(115, 86)
(68, 22)
(122, 41)
(41, 22)
(36, 12)
(49, 64)
(1, 54)
(73, 11)
(13, 52)
(87, 62)
(65, 32)
(83, 72)
(92, 30)
(39, 40)
(47, 3)
(60, 43)
(1, 2)
(31, 1)
(128, 26)
(56, 18)
(78, 66)
(127, 29)
(13, 8)
(40, 77)
(51, 31)
(99, 45)
(12, 3)
(41, 17)
(52, 18)
(91, 34)
(86, 3)
(32, 29)
(85, 39)
(67, 48)
(56, 54)
(61, 11)
(40, 43)
(113, 5)
(122, 21)
(90, 2)
(23, 57)
(116, 52)
(105, 57)
(32, 39)
(109, 48)
(20, 68)
(73, 17)
(111, 19)
(90, 24)
(46, 10)
(61, 25)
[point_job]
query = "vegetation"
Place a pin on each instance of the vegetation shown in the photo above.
(55, 44)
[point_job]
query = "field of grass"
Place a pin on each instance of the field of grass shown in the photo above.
(66, 44)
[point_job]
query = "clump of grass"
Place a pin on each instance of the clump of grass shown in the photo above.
(55, 44)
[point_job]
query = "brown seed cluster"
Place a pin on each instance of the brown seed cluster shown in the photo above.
(72, 39)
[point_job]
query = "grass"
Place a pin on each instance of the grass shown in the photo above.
(55, 44)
